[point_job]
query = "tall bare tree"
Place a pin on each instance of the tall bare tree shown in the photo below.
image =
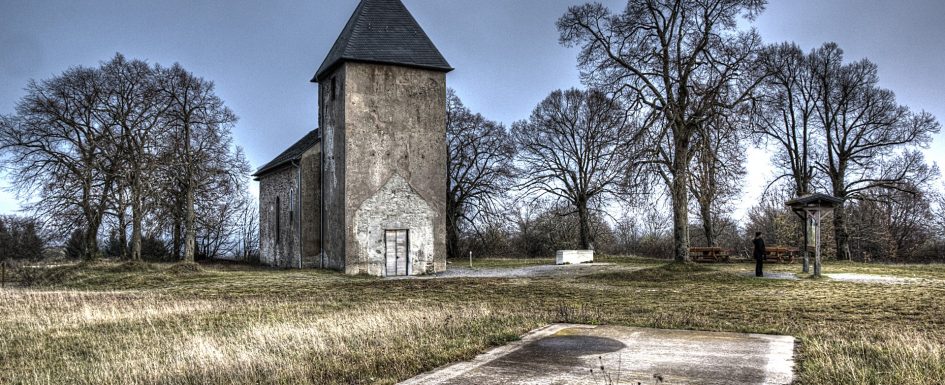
(675, 61)
(199, 122)
(578, 147)
(785, 120)
(136, 108)
(126, 137)
(784, 115)
(870, 140)
(718, 169)
(480, 167)
(59, 150)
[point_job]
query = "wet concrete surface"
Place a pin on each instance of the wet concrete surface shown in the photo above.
(580, 354)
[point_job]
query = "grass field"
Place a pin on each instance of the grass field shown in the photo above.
(163, 324)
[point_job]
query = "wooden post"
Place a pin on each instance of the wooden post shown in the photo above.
(470, 259)
(817, 217)
(806, 250)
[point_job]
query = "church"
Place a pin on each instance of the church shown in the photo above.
(365, 193)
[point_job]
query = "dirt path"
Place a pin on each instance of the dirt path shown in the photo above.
(522, 272)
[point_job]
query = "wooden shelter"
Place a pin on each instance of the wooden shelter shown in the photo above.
(813, 208)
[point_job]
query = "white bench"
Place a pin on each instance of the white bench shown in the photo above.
(574, 257)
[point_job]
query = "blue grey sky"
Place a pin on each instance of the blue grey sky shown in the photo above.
(261, 54)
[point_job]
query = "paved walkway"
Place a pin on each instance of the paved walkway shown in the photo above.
(567, 354)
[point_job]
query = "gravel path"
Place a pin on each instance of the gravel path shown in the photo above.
(454, 271)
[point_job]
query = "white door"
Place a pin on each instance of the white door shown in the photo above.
(397, 245)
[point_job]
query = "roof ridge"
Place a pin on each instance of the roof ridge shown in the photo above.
(294, 152)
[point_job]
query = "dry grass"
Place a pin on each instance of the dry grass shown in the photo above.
(114, 324)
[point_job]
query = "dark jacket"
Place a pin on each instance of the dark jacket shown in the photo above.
(759, 248)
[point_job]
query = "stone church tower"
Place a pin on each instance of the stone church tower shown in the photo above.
(382, 148)
(382, 110)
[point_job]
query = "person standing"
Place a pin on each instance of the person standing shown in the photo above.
(759, 254)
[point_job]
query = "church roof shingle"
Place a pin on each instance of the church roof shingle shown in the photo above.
(383, 31)
(294, 153)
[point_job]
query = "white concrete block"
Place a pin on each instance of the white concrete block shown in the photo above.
(574, 257)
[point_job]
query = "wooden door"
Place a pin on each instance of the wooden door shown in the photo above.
(397, 246)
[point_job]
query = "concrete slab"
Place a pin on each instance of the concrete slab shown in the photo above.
(872, 278)
(566, 354)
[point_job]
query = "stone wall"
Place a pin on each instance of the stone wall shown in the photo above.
(394, 124)
(279, 250)
(395, 207)
(331, 118)
(311, 213)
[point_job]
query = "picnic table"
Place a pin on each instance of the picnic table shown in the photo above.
(780, 254)
(709, 254)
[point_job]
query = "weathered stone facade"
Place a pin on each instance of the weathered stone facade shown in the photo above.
(290, 213)
(311, 207)
(369, 191)
(278, 237)
(392, 128)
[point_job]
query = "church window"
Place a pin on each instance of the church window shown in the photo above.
(334, 88)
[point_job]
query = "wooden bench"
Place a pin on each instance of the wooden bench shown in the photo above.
(709, 254)
(780, 254)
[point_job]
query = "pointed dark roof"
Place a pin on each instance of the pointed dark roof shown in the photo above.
(292, 154)
(383, 31)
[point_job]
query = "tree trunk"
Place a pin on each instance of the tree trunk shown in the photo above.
(804, 241)
(680, 200)
(452, 228)
(707, 225)
(587, 243)
(840, 233)
(136, 214)
(90, 246)
(176, 236)
(189, 226)
(122, 231)
(452, 237)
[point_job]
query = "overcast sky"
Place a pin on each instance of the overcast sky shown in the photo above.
(261, 54)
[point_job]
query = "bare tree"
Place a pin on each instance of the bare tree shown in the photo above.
(784, 114)
(125, 137)
(579, 148)
(869, 139)
(221, 199)
(784, 119)
(199, 122)
(676, 62)
(480, 167)
(136, 108)
(247, 222)
(717, 171)
(59, 150)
